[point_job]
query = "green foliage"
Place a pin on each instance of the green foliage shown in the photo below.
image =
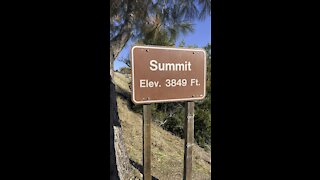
(161, 39)
(202, 126)
(182, 43)
(136, 108)
(125, 70)
(171, 116)
(175, 125)
(153, 20)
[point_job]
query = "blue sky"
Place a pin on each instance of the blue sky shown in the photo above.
(200, 37)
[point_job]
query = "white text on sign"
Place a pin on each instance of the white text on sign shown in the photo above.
(154, 66)
(145, 83)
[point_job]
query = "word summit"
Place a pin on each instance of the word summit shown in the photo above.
(155, 66)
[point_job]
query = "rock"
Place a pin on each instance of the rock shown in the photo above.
(120, 164)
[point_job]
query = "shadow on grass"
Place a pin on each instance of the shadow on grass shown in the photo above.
(140, 168)
(124, 93)
(127, 96)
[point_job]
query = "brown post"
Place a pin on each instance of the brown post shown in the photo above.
(147, 142)
(188, 136)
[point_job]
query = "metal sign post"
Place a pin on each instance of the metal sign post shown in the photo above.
(147, 142)
(188, 136)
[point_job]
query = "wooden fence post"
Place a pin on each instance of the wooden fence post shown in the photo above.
(147, 142)
(189, 138)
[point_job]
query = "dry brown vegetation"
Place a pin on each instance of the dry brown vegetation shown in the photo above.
(167, 149)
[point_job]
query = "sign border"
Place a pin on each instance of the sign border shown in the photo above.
(168, 100)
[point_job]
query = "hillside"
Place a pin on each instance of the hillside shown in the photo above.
(167, 149)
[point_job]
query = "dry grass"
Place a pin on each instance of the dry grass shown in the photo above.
(121, 81)
(167, 149)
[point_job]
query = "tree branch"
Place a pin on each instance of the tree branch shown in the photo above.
(119, 41)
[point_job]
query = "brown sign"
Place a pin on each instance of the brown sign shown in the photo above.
(163, 74)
